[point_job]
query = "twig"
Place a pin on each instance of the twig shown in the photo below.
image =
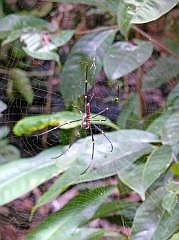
(154, 41)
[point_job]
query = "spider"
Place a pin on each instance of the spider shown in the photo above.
(85, 122)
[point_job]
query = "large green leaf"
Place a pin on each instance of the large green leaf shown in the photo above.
(68, 120)
(40, 45)
(152, 221)
(63, 224)
(93, 45)
(14, 22)
(166, 68)
(123, 57)
(157, 125)
(150, 10)
(157, 163)
(128, 145)
(43, 55)
(140, 177)
(21, 176)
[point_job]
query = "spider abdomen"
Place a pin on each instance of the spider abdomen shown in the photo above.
(86, 122)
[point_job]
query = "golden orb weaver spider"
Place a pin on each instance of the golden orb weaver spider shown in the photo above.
(85, 122)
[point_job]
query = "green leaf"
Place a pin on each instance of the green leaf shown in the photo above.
(12, 36)
(148, 216)
(22, 84)
(128, 145)
(20, 176)
(150, 10)
(124, 18)
(169, 202)
(171, 221)
(93, 45)
(141, 177)
(157, 125)
(151, 219)
(173, 97)
(157, 163)
(170, 132)
(29, 125)
(166, 68)
(40, 48)
(124, 57)
(14, 22)
(131, 175)
(175, 237)
(78, 211)
(43, 55)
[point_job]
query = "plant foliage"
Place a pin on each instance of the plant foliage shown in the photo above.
(145, 152)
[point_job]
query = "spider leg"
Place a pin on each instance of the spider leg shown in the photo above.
(66, 150)
(86, 87)
(104, 110)
(102, 132)
(93, 142)
(92, 154)
(59, 126)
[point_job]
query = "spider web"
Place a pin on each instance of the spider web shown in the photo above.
(17, 108)
(18, 212)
